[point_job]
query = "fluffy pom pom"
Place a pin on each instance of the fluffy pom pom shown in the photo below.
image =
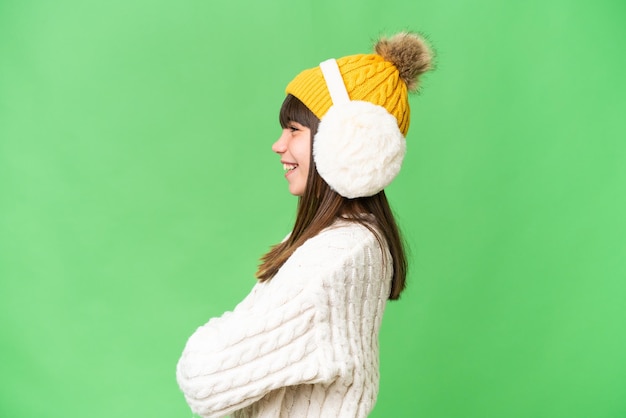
(358, 149)
(409, 53)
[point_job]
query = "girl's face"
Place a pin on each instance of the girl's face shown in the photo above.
(294, 148)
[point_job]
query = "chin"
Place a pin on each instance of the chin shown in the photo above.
(296, 192)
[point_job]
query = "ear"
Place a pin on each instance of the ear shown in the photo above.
(358, 148)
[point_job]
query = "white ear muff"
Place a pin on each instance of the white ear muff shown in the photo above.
(358, 149)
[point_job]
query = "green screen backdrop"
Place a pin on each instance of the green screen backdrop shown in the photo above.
(138, 190)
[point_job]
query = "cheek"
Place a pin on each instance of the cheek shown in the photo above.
(303, 153)
(306, 151)
(306, 161)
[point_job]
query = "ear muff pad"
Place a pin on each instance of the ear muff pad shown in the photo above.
(358, 149)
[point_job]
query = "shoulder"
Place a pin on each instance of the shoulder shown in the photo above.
(342, 244)
(345, 257)
(342, 235)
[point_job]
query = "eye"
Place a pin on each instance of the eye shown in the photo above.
(292, 127)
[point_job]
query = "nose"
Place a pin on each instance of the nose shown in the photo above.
(280, 145)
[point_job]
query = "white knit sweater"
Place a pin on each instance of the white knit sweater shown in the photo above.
(304, 344)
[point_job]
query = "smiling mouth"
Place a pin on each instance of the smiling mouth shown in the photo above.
(289, 167)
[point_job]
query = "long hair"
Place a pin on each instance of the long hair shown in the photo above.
(320, 206)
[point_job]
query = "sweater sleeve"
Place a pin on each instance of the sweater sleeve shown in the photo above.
(280, 335)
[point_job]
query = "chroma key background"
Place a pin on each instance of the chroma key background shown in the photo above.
(138, 190)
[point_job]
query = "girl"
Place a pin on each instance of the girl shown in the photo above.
(304, 342)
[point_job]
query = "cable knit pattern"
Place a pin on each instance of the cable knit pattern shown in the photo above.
(304, 344)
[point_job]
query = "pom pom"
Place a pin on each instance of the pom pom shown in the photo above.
(358, 149)
(409, 53)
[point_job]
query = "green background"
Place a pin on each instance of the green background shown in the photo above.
(138, 190)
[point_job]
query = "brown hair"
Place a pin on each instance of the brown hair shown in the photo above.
(320, 206)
